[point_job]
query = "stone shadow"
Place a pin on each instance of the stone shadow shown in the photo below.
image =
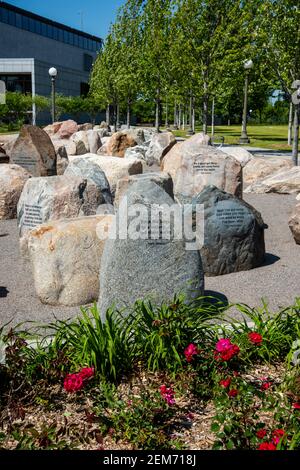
(3, 292)
(270, 259)
(216, 297)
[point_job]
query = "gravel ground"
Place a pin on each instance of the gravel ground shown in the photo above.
(278, 281)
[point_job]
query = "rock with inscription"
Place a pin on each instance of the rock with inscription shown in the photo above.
(233, 233)
(67, 129)
(242, 155)
(54, 198)
(34, 151)
(160, 145)
(87, 169)
(193, 167)
(294, 224)
(115, 168)
(62, 160)
(284, 182)
(12, 181)
(262, 167)
(163, 180)
(65, 257)
(149, 263)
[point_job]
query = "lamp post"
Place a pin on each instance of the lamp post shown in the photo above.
(248, 65)
(53, 75)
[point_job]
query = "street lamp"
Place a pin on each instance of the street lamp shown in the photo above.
(248, 65)
(53, 75)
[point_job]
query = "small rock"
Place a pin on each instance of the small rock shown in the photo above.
(160, 145)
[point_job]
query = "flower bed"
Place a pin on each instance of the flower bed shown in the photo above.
(170, 377)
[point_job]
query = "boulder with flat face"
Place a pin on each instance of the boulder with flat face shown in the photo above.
(160, 145)
(163, 180)
(67, 129)
(153, 265)
(65, 256)
(283, 182)
(55, 198)
(118, 143)
(53, 128)
(233, 233)
(34, 151)
(242, 155)
(115, 168)
(85, 168)
(294, 224)
(262, 167)
(193, 167)
(12, 181)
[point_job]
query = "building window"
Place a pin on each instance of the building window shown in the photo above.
(18, 82)
(87, 62)
(84, 89)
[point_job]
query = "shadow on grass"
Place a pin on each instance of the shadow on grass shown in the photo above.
(216, 297)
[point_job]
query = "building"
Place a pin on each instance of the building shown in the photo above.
(31, 44)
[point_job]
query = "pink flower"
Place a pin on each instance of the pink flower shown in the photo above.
(190, 351)
(255, 338)
(265, 385)
(277, 436)
(267, 446)
(225, 383)
(261, 433)
(87, 373)
(73, 383)
(225, 350)
(296, 406)
(167, 394)
(233, 393)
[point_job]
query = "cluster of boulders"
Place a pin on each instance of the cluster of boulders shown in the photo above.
(68, 185)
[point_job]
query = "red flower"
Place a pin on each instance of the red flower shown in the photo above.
(255, 338)
(167, 394)
(225, 383)
(261, 433)
(73, 383)
(87, 373)
(265, 386)
(277, 436)
(267, 446)
(233, 393)
(296, 406)
(225, 350)
(190, 351)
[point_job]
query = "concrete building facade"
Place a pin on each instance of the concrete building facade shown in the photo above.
(31, 44)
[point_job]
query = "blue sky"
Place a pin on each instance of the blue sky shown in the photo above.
(97, 14)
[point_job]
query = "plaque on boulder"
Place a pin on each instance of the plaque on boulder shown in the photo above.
(34, 151)
(55, 198)
(147, 266)
(193, 167)
(233, 233)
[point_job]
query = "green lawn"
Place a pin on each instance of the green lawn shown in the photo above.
(265, 136)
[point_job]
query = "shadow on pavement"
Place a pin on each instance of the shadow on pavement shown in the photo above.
(270, 259)
(3, 292)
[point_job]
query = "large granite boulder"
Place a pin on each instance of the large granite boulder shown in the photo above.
(85, 168)
(294, 224)
(163, 180)
(34, 151)
(54, 198)
(52, 129)
(160, 145)
(94, 141)
(81, 142)
(141, 267)
(242, 155)
(67, 129)
(118, 143)
(193, 167)
(85, 127)
(259, 168)
(12, 181)
(65, 256)
(284, 182)
(233, 233)
(115, 168)
(138, 152)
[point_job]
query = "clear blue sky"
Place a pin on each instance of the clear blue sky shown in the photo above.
(97, 14)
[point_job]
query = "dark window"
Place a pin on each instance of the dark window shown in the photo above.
(85, 43)
(21, 82)
(12, 18)
(87, 62)
(32, 26)
(3, 15)
(43, 29)
(25, 23)
(55, 33)
(76, 40)
(84, 89)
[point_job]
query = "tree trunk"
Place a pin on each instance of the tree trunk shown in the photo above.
(290, 129)
(193, 115)
(179, 116)
(108, 114)
(205, 109)
(118, 117)
(213, 118)
(183, 119)
(157, 109)
(167, 114)
(296, 135)
(128, 114)
(175, 116)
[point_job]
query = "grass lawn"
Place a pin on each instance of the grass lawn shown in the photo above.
(265, 136)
